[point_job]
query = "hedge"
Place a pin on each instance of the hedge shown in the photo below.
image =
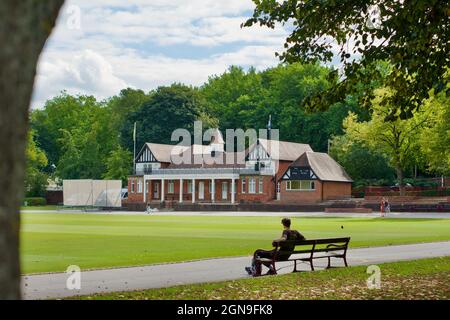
(35, 201)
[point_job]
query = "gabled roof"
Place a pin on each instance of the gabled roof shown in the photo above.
(162, 152)
(282, 150)
(324, 166)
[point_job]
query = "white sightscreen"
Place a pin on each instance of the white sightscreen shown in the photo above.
(98, 193)
(113, 193)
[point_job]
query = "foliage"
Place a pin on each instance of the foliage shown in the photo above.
(411, 35)
(62, 112)
(168, 108)
(79, 133)
(361, 163)
(245, 100)
(435, 139)
(119, 165)
(396, 139)
(35, 201)
(35, 179)
(120, 106)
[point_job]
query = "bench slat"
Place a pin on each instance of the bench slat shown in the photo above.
(316, 241)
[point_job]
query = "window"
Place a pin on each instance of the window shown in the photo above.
(260, 186)
(278, 187)
(252, 185)
(139, 186)
(300, 185)
(132, 186)
(189, 187)
(170, 186)
(244, 185)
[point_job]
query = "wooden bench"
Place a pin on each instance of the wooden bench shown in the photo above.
(313, 249)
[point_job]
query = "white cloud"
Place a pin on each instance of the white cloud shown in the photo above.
(86, 72)
(118, 42)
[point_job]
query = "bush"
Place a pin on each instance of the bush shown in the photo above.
(421, 183)
(35, 201)
(436, 193)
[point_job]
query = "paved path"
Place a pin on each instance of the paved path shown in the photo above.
(428, 215)
(53, 285)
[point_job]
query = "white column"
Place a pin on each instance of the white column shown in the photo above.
(232, 190)
(181, 190)
(193, 190)
(145, 190)
(162, 190)
(213, 190)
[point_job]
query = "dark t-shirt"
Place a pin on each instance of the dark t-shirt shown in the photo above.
(286, 249)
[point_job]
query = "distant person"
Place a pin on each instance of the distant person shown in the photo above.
(387, 206)
(382, 207)
(288, 234)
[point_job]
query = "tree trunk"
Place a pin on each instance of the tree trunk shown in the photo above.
(400, 178)
(24, 28)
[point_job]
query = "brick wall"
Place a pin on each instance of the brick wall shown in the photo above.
(300, 197)
(337, 190)
(135, 196)
(327, 190)
(266, 195)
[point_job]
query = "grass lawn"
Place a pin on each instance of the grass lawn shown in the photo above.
(53, 241)
(418, 279)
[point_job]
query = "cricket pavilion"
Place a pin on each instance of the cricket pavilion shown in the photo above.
(268, 171)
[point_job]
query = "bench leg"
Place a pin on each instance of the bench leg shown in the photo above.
(345, 261)
(274, 269)
(312, 266)
(329, 263)
(295, 266)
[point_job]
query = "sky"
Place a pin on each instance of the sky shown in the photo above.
(100, 47)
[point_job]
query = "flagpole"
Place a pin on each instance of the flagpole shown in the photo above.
(134, 152)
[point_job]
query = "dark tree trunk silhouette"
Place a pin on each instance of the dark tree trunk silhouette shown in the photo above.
(24, 27)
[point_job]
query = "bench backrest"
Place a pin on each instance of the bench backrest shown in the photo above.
(315, 245)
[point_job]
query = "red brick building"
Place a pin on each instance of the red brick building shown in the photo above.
(268, 171)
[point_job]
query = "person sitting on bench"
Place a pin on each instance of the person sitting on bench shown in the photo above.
(288, 234)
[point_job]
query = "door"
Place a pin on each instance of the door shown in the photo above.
(201, 190)
(224, 190)
(156, 190)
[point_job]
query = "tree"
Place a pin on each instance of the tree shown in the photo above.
(62, 112)
(35, 179)
(360, 162)
(119, 165)
(240, 99)
(435, 139)
(24, 28)
(68, 164)
(396, 139)
(168, 108)
(79, 132)
(128, 101)
(412, 36)
(233, 96)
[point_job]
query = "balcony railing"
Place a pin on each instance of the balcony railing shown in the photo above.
(205, 171)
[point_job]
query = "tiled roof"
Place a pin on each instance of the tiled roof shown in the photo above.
(325, 167)
(282, 150)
